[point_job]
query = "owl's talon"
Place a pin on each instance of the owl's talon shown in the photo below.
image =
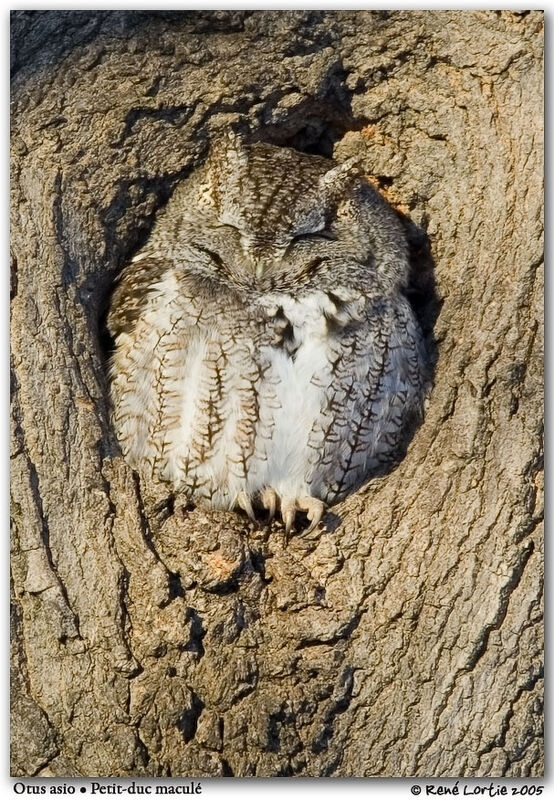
(288, 513)
(315, 510)
(288, 519)
(245, 503)
(269, 499)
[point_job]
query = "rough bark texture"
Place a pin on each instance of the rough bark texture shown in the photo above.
(405, 638)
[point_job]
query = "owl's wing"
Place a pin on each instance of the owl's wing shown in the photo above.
(375, 388)
(394, 388)
(184, 382)
(132, 291)
(152, 320)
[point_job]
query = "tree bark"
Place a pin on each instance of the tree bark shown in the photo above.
(403, 639)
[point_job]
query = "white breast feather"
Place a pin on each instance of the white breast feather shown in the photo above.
(300, 399)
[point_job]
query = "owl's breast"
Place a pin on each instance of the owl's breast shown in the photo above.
(301, 351)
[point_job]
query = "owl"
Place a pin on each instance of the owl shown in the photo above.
(265, 355)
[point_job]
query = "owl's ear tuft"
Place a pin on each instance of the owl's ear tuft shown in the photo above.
(229, 150)
(339, 178)
(228, 156)
(234, 138)
(231, 145)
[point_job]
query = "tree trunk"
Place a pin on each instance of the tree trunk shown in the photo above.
(404, 638)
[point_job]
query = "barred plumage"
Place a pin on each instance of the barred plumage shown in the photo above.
(265, 354)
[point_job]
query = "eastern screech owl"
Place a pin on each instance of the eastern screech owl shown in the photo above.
(265, 354)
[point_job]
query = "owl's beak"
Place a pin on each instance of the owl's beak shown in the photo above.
(259, 253)
(260, 269)
(259, 260)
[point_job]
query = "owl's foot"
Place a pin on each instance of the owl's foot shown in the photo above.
(313, 508)
(269, 500)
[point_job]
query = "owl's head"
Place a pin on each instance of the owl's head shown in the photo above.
(261, 212)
